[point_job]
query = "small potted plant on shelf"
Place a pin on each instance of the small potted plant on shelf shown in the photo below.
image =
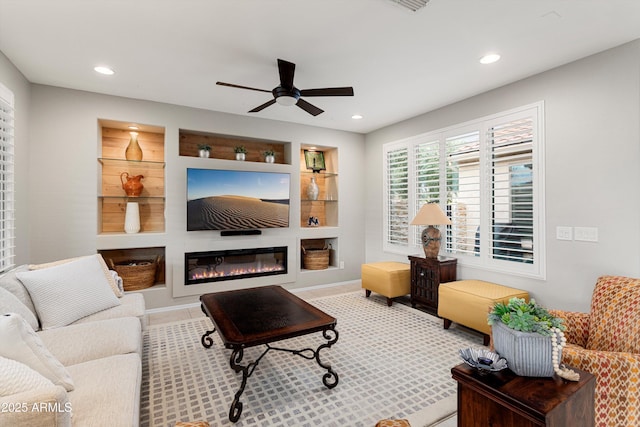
(240, 151)
(204, 150)
(269, 156)
(529, 338)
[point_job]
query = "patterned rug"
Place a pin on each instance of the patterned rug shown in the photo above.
(393, 362)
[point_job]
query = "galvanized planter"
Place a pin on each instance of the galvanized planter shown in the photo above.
(528, 354)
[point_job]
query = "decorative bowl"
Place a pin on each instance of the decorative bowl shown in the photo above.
(483, 360)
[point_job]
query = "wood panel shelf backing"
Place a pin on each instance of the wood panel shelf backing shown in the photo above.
(222, 146)
(325, 207)
(112, 200)
(139, 254)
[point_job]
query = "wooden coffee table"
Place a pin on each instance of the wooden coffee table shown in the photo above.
(261, 316)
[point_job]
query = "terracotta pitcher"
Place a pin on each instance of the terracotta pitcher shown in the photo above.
(132, 186)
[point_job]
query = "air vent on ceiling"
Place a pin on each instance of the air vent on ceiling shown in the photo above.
(413, 5)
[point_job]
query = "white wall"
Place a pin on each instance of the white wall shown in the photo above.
(592, 110)
(18, 84)
(64, 183)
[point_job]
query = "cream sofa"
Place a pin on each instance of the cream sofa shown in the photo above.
(100, 352)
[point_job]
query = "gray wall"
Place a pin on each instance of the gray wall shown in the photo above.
(64, 180)
(592, 116)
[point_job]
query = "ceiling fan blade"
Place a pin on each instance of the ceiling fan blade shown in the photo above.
(309, 108)
(263, 106)
(242, 87)
(329, 91)
(287, 70)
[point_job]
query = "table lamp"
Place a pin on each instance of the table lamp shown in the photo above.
(430, 214)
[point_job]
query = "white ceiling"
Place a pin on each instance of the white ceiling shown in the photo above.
(400, 63)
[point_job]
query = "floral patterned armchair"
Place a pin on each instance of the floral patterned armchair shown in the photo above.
(606, 343)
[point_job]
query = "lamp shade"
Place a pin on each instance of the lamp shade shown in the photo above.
(430, 214)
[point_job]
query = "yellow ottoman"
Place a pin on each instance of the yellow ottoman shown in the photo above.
(391, 279)
(468, 303)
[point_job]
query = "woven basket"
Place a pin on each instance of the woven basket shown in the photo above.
(136, 274)
(315, 259)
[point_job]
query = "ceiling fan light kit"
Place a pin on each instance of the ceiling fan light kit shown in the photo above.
(287, 94)
(413, 5)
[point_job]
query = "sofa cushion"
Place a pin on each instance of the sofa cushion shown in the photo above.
(10, 282)
(107, 391)
(68, 292)
(131, 305)
(16, 377)
(18, 341)
(113, 283)
(614, 319)
(9, 303)
(99, 339)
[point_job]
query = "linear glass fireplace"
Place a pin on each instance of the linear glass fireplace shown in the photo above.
(213, 266)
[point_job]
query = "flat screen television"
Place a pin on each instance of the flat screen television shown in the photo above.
(237, 200)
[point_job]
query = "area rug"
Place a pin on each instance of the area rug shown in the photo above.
(392, 362)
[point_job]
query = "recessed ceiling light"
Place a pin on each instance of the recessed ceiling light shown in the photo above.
(104, 70)
(356, 117)
(133, 127)
(490, 58)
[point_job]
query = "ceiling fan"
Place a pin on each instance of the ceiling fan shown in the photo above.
(287, 94)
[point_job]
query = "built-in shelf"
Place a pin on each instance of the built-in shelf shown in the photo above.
(112, 242)
(115, 169)
(222, 146)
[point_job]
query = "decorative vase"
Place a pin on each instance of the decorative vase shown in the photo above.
(240, 156)
(269, 158)
(132, 218)
(528, 354)
(312, 189)
(133, 151)
(203, 153)
(132, 186)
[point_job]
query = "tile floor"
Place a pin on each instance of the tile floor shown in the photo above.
(195, 312)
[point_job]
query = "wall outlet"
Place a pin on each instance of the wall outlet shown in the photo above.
(564, 233)
(341, 265)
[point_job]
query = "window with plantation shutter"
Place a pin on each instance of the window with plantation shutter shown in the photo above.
(462, 165)
(6, 179)
(487, 176)
(396, 197)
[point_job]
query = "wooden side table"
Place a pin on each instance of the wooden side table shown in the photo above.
(504, 399)
(426, 276)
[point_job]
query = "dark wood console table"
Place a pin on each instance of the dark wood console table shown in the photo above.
(503, 399)
(426, 276)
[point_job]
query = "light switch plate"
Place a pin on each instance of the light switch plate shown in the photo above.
(586, 234)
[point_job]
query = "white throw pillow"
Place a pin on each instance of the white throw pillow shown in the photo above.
(107, 273)
(16, 377)
(9, 303)
(68, 292)
(19, 342)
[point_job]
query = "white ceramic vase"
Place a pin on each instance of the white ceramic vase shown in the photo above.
(312, 189)
(269, 159)
(132, 218)
(240, 156)
(203, 153)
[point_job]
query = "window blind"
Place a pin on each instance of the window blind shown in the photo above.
(463, 191)
(397, 197)
(7, 214)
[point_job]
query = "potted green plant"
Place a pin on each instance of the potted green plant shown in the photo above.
(529, 337)
(204, 150)
(240, 151)
(269, 156)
